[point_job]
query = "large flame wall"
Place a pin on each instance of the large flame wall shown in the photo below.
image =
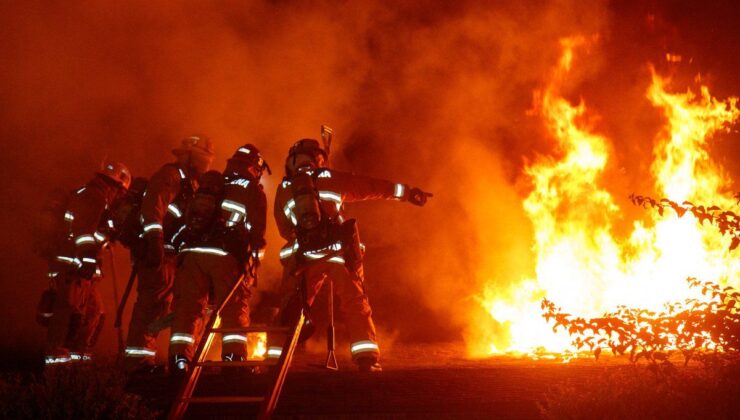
(580, 263)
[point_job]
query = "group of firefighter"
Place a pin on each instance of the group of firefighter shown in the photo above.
(194, 236)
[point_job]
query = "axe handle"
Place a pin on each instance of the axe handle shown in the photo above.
(124, 298)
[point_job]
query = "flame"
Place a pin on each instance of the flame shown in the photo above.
(256, 346)
(580, 264)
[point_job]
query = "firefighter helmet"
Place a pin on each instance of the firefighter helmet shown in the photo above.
(195, 144)
(245, 157)
(307, 147)
(117, 172)
(199, 151)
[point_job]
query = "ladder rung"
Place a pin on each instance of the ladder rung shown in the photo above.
(247, 363)
(252, 330)
(225, 400)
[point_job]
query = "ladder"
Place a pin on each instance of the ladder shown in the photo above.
(278, 370)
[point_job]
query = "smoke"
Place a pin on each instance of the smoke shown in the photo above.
(434, 95)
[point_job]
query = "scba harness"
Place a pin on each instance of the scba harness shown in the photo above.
(216, 224)
(320, 234)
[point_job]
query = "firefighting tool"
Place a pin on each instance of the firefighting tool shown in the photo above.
(122, 307)
(331, 359)
(114, 281)
(277, 370)
(326, 137)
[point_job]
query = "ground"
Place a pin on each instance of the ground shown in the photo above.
(418, 381)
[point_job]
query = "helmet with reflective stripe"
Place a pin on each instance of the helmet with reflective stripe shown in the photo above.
(307, 147)
(116, 171)
(244, 157)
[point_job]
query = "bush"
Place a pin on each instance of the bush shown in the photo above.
(81, 391)
(705, 329)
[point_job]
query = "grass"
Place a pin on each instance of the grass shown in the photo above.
(648, 392)
(80, 391)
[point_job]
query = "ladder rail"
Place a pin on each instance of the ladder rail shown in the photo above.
(269, 401)
(273, 393)
(180, 404)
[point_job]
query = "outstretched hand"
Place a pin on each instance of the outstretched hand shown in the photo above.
(418, 197)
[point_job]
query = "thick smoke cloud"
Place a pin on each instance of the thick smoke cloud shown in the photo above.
(425, 93)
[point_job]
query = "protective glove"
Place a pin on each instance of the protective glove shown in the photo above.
(417, 197)
(154, 250)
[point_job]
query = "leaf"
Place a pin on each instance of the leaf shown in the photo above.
(597, 352)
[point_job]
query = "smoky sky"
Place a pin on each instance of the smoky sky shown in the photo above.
(431, 94)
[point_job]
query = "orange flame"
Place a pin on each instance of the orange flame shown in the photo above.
(256, 346)
(580, 264)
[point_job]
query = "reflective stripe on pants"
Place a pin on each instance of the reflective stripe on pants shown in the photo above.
(348, 287)
(77, 312)
(153, 300)
(197, 275)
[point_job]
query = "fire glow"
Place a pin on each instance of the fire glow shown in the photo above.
(581, 265)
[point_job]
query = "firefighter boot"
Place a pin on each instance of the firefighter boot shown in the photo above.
(367, 364)
(179, 367)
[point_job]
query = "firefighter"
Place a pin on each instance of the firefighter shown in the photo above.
(309, 214)
(222, 242)
(77, 311)
(162, 211)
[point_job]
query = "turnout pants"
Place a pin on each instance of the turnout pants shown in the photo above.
(348, 286)
(153, 301)
(78, 315)
(199, 275)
